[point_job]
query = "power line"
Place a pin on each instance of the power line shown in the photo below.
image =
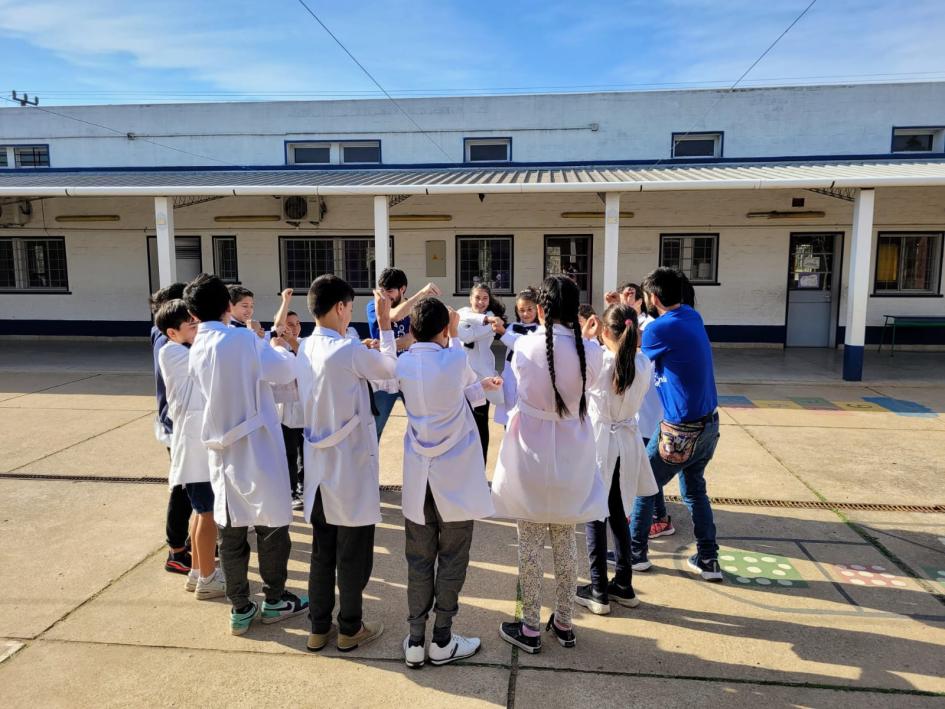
(371, 77)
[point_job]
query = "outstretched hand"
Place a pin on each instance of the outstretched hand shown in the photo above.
(592, 328)
(491, 383)
(454, 322)
(382, 309)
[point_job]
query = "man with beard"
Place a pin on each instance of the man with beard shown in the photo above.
(393, 282)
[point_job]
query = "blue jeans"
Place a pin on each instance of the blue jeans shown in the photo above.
(659, 511)
(692, 487)
(385, 404)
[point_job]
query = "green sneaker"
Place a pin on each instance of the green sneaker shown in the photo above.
(286, 607)
(240, 622)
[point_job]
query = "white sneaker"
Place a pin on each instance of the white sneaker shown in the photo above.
(644, 565)
(213, 587)
(457, 649)
(192, 577)
(414, 655)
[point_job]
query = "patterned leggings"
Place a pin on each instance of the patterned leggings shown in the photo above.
(531, 543)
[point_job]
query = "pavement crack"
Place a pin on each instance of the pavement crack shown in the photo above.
(49, 388)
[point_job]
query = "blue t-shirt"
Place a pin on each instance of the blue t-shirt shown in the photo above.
(400, 328)
(682, 357)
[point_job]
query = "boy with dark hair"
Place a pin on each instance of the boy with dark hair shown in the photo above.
(341, 490)
(190, 467)
(233, 369)
(178, 560)
(689, 431)
(288, 326)
(445, 486)
(243, 307)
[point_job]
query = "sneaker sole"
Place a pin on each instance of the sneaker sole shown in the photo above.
(448, 660)
(415, 665)
(626, 602)
(593, 606)
(366, 641)
(207, 595)
(566, 643)
(331, 634)
(282, 616)
(642, 568)
(712, 578)
(512, 641)
(665, 533)
(176, 568)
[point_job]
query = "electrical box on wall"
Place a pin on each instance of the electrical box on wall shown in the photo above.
(436, 259)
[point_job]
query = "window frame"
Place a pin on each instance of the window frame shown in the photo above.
(216, 267)
(935, 291)
(336, 149)
(493, 140)
(9, 151)
(64, 290)
(459, 290)
(342, 144)
(717, 135)
(715, 236)
(291, 146)
(937, 133)
(283, 265)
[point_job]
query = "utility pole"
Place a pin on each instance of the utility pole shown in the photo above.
(25, 100)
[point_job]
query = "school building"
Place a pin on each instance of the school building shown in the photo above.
(803, 215)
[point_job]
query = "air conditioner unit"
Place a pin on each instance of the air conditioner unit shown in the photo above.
(299, 209)
(15, 213)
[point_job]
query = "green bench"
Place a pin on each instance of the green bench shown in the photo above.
(906, 321)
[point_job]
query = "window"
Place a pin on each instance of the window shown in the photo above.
(696, 255)
(24, 156)
(187, 255)
(303, 259)
(697, 145)
(310, 153)
(355, 152)
(364, 152)
(908, 264)
(33, 264)
(488, 149)
(224, 259)
(484, 259)
(917, 140)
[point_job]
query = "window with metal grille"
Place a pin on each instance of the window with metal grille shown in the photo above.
(696, 255)
(33, 264)
(224, 259)
(908, 263)
(306, 258)
(31, 155)
(484, 259)
(3, 157)
(697, 145)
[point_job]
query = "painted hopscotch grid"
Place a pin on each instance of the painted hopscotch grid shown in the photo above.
(745, 568)
(868, 575)
(936, 573)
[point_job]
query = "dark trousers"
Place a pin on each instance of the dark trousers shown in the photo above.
(350, 552)
(445, 546)
(272, 549)
(597, 541)
(481, 414)
(293, 454)
(178, 517)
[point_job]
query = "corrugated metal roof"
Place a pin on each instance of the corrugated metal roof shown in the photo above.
(453, 180)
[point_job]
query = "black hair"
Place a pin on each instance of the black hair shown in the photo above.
(172, 315)
(666, 284)
(291, 312)
(237, 293)
(586, 310)
(496, 306)
(392, 278)
(428, 318)
(688, 294)
(621, 321)
(162, 295)
(529, 295)
(207, 297)
(559, 298)
(326, 292)
(636, 289)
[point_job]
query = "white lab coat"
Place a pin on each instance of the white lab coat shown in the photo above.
(288, 403)
(509, 382)
(185, 405)
(234, 369)
(616, 433)
(651, 409)
(547, 470)
(441, 444)
(481, 358)
(340, 438)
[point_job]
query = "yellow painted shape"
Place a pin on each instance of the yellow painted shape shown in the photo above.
(776, 404)
(860, 406)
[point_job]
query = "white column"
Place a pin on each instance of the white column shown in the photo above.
(858, 285)
(166, 255)
(381, 234)
(611, 239)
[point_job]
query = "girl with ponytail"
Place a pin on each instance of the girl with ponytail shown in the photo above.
(547, 478)
(615, 400)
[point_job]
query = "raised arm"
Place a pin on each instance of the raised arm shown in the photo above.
(475, 327)
(282, 314)
(276, 363)
(402, 309)
(379, 364)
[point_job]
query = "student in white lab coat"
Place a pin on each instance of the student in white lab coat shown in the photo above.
(526, 313)
(547, 477)
(341, 494)
(475, 331)
(234, 370)
(614, 403)
(445, 486)
(190, 466)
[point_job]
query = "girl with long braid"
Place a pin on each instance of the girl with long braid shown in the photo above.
(547, 477)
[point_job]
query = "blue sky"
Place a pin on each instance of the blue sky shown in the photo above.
(117, 51)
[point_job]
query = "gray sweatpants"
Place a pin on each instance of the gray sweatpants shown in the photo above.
(272, 547)
(445, 546)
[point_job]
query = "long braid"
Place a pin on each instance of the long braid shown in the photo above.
(560, 407)
(579, 342)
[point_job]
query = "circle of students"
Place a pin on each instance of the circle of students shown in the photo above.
(600, 413)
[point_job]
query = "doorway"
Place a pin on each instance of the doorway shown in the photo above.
(187, 253)
(571, 256)
(813, 289)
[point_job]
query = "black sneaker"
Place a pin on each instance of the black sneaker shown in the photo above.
(623, 595)
(708, 569)
(512, 634)
(178, 562)
(565, 637)
(596, 603)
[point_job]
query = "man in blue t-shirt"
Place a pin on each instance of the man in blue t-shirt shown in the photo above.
(393, 282)
(677, 344)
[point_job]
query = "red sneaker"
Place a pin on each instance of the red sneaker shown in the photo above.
(661, 528)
